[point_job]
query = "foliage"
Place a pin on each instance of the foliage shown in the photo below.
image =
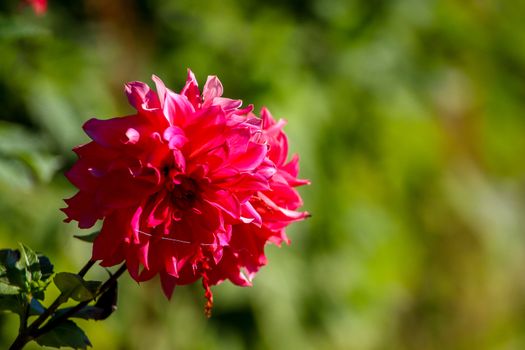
(24, 277)
(66, 334)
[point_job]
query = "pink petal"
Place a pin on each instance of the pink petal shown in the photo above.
(141, 96)
(212, 88)
(225, 201)
(177, 108)
(191, 90)
(175, 137)
(161, 90)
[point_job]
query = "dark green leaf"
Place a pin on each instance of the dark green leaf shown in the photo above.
(108, 301)
(88, 238)
(45, 267)
(39, 293)
(16, 277)
(9, 257)
(73, 286)
(103, 308)
(10, 303)
(12, 275)
(92, 286)
(66, 334)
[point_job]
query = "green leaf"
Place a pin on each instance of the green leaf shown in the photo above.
(28, 258)
(8, 289)
(103, 308)
(29, 261)
(11, 303)
(73, 286)
(66, 334)
(88, 238)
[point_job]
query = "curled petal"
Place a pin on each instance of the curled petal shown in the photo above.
(212, 89)
(141, 96)
(175, 137)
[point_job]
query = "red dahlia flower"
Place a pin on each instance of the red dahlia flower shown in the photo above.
(191, 186)
(39, 6)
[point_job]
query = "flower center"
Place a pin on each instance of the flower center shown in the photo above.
(183, 191)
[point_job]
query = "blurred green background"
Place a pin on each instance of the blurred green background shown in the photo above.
(409, 116)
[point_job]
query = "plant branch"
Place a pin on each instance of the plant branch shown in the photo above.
(23, 317)
(26, 334)
(86, 268)
(56, 321)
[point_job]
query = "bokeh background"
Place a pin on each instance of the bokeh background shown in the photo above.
(409, 116)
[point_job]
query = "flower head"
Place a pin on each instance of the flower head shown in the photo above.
(189, 187)
(39, 6)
